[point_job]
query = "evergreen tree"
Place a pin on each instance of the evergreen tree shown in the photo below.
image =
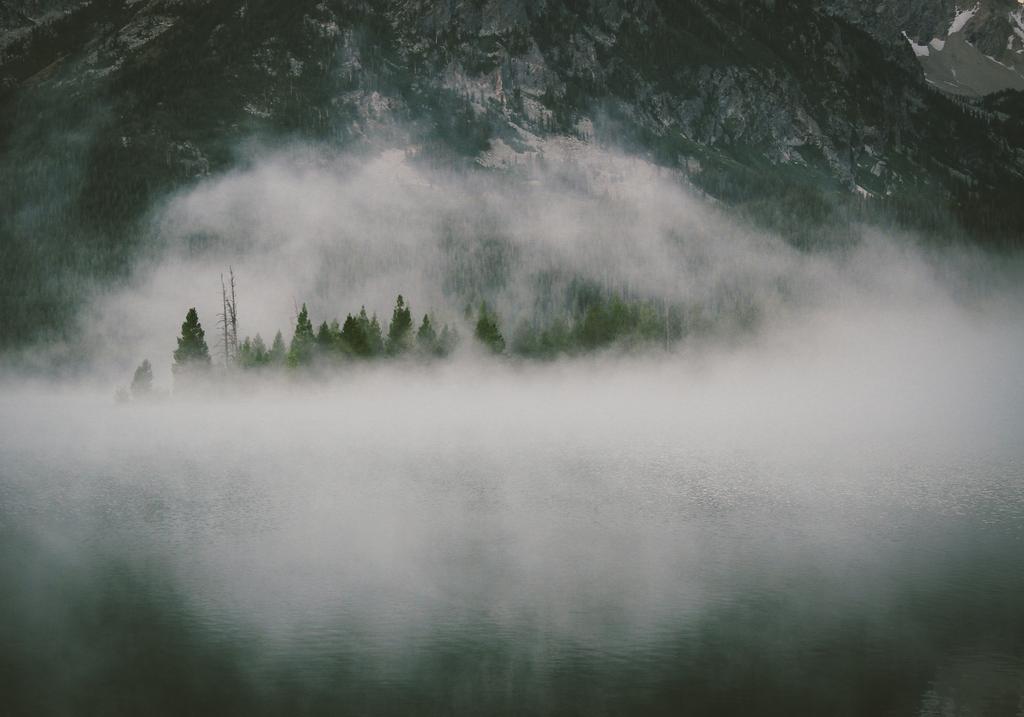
(375, 337)
(246, 358)
(335, 331)
(253, 353)
(259, 351)
(487, 331)
(192, 352)
(142, 382)
(324, 338)
(447, 341)
(426, 337)
(301, 351)
(278, 353)
(353, 335)
(400, 330)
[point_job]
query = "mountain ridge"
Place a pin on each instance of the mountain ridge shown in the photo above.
(793, 115)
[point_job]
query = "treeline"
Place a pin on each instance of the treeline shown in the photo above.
(600, 322)
(359, 337)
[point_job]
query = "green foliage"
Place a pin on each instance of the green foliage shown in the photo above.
(278, 354)
(192, 352)
(303, 341)
(543, 343)
(361, 336)
(324, 338)
(600, 322)
(374, 337)
(487, 331)
(591, 320)
(400, 330)
(426, 338)
(253, 352)
(354, 334)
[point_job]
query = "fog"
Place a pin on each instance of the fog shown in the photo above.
(742, 523)
(302, 225)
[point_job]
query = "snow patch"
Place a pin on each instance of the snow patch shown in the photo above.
(919, 50)
(962, 18)
(1017, 25)
(938, 44)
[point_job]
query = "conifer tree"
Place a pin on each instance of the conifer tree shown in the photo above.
(259, 351)
(192, 352)
(447, 341)
(278, 353)
(301, 351)
(400, 330)
(252, 353)
(375, 337)
(426, 337)
(487, 331)
(142, 382)
(335, 330)
(323, 337)
(353, 334)
(246, 357)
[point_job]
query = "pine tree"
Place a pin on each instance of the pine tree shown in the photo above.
(142, 382)
(426, 337)
(487, 331)
(336, 344)
(192, 352)
(301, 351)
(353, 335)
(278, 353)
(259, 351)
(323, 338)
(252, 353)
(400, 330)
(375, 337)
(246, 355)
(447, 341)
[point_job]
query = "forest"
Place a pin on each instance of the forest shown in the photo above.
(598, 322)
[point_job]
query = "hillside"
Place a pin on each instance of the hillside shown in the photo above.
(798, 119)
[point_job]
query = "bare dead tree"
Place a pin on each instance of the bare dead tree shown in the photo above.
(233, 313)
(224, 323)
(227, 320)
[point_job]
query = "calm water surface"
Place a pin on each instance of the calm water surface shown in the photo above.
(603, 548)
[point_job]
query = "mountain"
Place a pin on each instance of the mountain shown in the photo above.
(799, 116)
(965, 50)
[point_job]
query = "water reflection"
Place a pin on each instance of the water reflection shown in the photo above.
(368, 559)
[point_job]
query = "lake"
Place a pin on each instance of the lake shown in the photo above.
(758, 534)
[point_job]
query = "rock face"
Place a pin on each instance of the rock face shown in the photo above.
(921, 20)
(107, 105)
(971, 49)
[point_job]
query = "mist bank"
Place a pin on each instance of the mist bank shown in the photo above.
(744, 520)
(929, 360)
(539, 244)
(917, 410)
(727, 524)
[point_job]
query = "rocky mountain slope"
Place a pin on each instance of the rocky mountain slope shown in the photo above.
(972, 48)
(796, 116)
